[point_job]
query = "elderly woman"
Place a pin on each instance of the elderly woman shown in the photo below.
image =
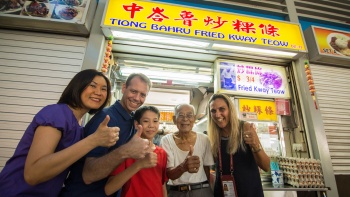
(237, 151)
(188, 156)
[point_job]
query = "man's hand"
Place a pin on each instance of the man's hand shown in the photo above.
(191, 163)
(104, 135)
(137, 147)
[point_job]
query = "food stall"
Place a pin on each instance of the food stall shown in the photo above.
(161, 38)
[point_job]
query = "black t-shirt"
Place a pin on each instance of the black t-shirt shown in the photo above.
(246, 172)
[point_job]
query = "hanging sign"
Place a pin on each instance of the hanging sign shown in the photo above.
(265, 110)
(282, 107)
(244, 78)
(333, 43)
(193, 22)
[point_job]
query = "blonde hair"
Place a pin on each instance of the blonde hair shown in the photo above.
(235, 140)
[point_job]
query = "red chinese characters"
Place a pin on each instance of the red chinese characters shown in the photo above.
(211, 21)
(187, 18)
(132, 9)
(269, 30)
(157, 15)
(257, 109)
(247, 27)
(268, 110)
(245, 108)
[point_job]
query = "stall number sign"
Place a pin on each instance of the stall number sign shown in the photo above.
(253, 79)
(264, 110)
(187, 21)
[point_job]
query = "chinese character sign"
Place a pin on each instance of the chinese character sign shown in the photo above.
(244, 78)
(265, 110)
(187, 21)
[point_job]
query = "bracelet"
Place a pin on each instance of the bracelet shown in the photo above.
(256, 151)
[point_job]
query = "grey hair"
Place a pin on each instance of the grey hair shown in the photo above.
(179, 106)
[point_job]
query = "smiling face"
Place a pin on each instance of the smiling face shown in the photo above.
(220, 113)
(134, 95)
(95, 94)
(150, 124)
(184, 118)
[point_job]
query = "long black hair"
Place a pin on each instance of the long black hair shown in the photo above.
(72, 93)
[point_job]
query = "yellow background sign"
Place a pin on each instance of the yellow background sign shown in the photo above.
(204, 24)
(265, 110)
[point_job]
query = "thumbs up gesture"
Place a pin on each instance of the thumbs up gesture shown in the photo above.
(149, 161)
(106, 136)
(192, 163)
(137, 147)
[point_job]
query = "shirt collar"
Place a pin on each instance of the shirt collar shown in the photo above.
(120, 109)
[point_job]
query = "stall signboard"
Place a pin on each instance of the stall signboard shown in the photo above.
(264, 110)
(177, 20)
(251, 79)
(332, 42)
(58, 10)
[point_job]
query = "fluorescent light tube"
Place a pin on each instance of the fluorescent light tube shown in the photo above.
(159, 39)
(175, 76)
(253, 50)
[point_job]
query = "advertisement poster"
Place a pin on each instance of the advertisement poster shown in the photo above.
(244, 78)
(331, 42)
(65, 10)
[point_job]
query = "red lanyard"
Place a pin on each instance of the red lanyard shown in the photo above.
(220, 161)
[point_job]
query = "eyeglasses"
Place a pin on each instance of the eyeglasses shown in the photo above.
(182, 117)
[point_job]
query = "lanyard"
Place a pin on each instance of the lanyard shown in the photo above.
(220, 161)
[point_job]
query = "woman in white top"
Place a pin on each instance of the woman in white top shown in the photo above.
(189, 157)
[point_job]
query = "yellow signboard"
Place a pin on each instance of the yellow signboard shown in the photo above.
(265, 110)
(204, 24)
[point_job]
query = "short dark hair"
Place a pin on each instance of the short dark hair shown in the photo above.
(72, 93)
(140, 111)
(143, 78)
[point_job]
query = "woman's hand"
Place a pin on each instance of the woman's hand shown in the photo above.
(104, 135)
(251, 137)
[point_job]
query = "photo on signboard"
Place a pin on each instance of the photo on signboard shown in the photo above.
(227, 76)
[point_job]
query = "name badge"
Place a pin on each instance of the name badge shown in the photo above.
(228, 186)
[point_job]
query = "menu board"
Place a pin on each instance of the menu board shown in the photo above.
(66, 10)
(253, 79)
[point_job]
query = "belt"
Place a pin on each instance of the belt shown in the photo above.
(184, 188)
